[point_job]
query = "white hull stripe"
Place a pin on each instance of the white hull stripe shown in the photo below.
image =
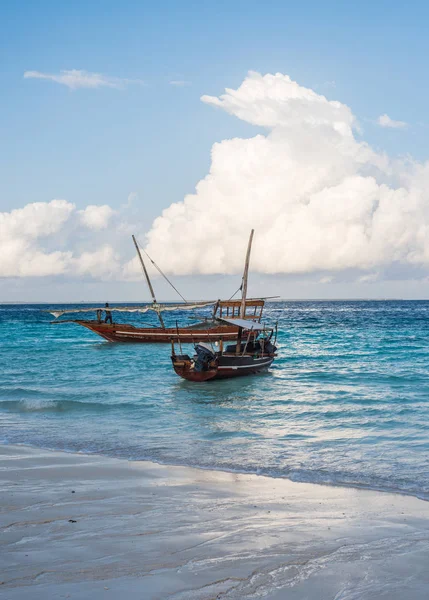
(234, 335)
(264, 364)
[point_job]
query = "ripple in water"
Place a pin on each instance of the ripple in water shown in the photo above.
(346, 402)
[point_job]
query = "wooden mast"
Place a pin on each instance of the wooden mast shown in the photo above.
(146, 274)
(245, 276)
(244, 290)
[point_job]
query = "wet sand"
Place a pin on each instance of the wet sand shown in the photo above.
(89, 527)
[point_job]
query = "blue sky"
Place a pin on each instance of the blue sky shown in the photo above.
(96, 146)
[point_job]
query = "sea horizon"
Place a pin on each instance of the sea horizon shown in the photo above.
(191, 300)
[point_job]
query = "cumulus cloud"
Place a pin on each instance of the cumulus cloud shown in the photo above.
(76, 78)
(319, 197)
(96, 217)
(19, 231)
(386, 121)
(100, 264)
(27, 233)
(276, 101)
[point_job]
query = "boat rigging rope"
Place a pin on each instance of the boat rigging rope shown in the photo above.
(239, 289)
(165, 276)
(174, 288)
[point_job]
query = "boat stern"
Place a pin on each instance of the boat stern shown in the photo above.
(184, 366)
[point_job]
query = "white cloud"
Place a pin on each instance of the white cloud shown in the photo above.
(30, 237)
(19, 232)
(96, 217)
(76, 78)
(369, 278)
(101, 264)
(276, 101)
(320, 200)
(386, 121)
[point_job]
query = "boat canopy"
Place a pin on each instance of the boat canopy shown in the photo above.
(245, 324)
(237, 303)
(137, 309)
(253, 308)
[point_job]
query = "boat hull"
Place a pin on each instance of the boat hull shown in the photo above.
(223, 367)
(117, 332)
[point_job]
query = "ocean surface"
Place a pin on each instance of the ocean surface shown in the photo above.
(346, 402)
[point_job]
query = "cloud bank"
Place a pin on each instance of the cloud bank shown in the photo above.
(319, 197)
(26, 232)
(76, 78)
(321, 200)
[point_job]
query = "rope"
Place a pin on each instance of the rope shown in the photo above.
(174, 288)
(165, 276)
(239, 289)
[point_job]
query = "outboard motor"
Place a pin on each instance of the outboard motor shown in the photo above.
(204, 357)
(266, 344)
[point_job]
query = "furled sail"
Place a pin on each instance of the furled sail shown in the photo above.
(137, 309)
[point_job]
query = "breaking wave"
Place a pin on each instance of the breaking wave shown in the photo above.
(346, 402)
(41, 405)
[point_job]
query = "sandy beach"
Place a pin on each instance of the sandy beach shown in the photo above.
(89, 527)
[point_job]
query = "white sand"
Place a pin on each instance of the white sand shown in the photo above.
(145, 531)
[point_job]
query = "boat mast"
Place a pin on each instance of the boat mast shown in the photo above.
(245, 275)
(146, 274)
(244, 291)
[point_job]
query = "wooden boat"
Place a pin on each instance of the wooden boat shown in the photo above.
(251, 356)
(206, 330)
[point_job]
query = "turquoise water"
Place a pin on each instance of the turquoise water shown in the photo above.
(346, 402)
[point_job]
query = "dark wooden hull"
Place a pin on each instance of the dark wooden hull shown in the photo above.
(117, 332)
(223, 367)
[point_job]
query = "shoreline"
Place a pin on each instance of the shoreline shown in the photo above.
(353, 486)
(88, 526)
